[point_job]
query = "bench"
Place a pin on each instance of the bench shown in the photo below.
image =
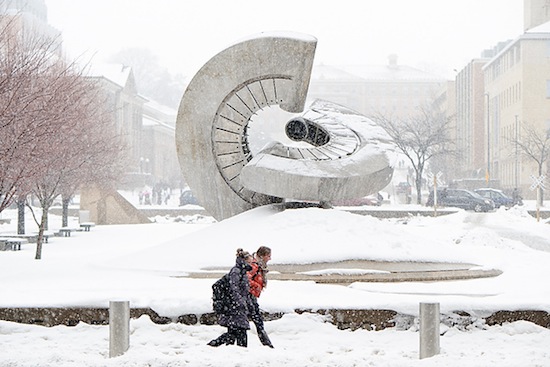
(34, 237)
(87, 225)
(46, 235)
(66, 231)
(12, 243)
(28, 237)
(4, 246)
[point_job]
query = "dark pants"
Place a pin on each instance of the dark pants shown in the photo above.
(234, 334)
(255, 314)
(256, 317)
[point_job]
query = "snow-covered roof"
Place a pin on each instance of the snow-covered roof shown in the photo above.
(325, 72)
(149, 121)
(159, 114)
(542, 28)
(373, 73)
(540, 32)
(156, 106)
(117, 73)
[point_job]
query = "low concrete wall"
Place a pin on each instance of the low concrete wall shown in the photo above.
(342, 318)
(388, 213)
(543, 214)
(173, 212)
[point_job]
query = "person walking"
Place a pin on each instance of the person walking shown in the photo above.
(258, 281)
(235, 316)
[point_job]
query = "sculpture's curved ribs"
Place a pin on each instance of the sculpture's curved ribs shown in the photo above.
(352, 161)
(211, 129)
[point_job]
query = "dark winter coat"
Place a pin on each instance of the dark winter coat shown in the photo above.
(239, 288)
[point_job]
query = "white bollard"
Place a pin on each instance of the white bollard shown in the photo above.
(119, 328)
(429, 329)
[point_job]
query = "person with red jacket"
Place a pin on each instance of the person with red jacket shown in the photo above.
(258, 281)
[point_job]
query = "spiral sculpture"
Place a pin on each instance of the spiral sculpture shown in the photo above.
(349, 156)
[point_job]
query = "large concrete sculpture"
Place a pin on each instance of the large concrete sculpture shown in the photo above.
(347, 157)
(271, 69)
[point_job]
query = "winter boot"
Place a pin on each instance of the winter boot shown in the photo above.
(241, 337)
(225, 338)
(264, 339)
(215, 343)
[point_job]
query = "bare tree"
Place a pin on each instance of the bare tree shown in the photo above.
(420, 137)
(23, 127)
(100, 154)
(54, 131)
(85, 147)
(533, 143)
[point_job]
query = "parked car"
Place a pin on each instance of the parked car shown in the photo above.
(187, 197)
(371, 200)
(459, 198)
(497, 196)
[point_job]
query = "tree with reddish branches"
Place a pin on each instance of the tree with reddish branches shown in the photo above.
(55, 132)
(84, 149)
(23, 126)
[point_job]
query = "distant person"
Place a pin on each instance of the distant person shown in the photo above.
(235, 318)
(167, 193)
(146, 197)
(258, 281)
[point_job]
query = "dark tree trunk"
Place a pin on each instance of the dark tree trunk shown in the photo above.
(41, 229)
(65, 211)
(21, 215)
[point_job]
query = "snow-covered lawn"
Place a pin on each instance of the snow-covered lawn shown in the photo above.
(147, 265)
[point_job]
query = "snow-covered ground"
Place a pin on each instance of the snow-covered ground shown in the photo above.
(147, 265)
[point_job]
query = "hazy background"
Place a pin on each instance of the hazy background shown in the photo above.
(433, 35)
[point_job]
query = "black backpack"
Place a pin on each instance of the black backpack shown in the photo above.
(220, 295)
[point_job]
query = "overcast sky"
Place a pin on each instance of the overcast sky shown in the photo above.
(430, 34)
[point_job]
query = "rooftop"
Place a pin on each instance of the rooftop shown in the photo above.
(390, 72)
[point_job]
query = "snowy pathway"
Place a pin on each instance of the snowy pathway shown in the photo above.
(532, 239)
